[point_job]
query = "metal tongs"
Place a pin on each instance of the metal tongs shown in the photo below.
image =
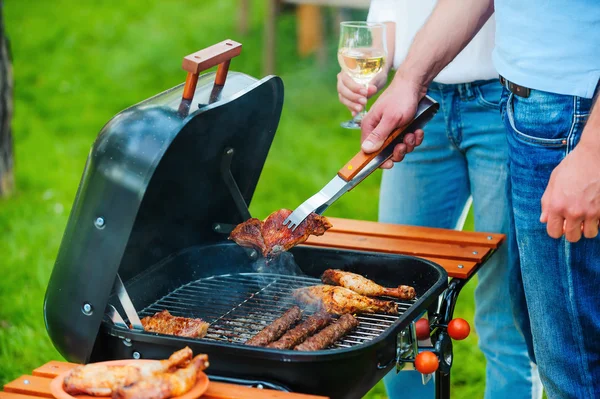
(361, 166)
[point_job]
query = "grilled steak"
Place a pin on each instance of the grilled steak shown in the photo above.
(165, 323)
(103, 380)
(329, 334)
(364, 286)
(273, 331)
(249, 234)
(340, 300)
(165, 385)
(271, 237)
(299, 333)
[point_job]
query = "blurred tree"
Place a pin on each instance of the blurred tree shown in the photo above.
(6, 107)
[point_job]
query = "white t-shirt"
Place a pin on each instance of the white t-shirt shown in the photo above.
(471, 64)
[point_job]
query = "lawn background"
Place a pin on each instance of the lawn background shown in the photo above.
(76, 64)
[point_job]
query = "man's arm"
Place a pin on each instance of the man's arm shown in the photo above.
(571, 202)
(450, 27)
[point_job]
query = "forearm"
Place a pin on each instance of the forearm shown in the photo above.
(590, 137)
(450, 27)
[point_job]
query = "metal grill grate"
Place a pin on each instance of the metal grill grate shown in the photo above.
(238, 306)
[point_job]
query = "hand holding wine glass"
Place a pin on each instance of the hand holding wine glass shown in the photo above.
(361, 54)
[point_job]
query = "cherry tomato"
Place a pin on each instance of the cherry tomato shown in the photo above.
(422, 329)
(458, 329)
(426, 362)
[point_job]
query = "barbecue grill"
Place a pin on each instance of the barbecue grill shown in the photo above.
(165, 182)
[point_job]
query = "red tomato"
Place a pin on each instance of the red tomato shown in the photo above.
(458, 329)
(426, 362)
(422, 329)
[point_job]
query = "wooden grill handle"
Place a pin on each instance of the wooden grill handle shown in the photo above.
(360, 160)
(217, 54)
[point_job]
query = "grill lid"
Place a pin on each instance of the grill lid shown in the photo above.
(154, 184)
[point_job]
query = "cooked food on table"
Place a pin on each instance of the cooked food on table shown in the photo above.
(165, 385)
(329, 334)
(271, 237)
(364, 286)
(299, 333)
(340, 300)
(165, 323)
(104, 380)
(277, 328)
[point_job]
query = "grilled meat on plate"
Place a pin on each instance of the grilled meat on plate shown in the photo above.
(165, 385)
(165, 323)
(277, 328)
(340, 300)
(364, 286)
(103, 380)
(299, 333)
(271, 237)
(329, 334)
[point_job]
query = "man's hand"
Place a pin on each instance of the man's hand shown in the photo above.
(571, 202)
(354, 95)
(395, 107)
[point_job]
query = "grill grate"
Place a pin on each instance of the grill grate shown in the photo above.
(238, 306)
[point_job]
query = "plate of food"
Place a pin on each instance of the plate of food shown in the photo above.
(180, 376)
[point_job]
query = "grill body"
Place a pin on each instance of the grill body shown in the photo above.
(219, 283)
(157, 194)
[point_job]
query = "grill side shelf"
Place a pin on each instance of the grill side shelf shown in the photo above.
(238, 306)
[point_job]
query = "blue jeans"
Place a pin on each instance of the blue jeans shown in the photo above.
(561, 280)
(464, 154)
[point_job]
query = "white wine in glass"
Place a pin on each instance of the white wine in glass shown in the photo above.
(361, 54)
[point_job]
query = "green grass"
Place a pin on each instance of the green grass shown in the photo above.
(76, 64)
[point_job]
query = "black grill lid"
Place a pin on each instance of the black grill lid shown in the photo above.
(152, 186)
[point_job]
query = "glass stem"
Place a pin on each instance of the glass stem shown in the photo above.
(362, 113)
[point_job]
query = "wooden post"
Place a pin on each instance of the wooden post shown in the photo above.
(6, 105)
(269, 33)
(243, 17)
(310, 28)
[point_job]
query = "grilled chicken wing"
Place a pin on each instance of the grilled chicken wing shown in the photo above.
(165, 385)
(340, 300)
(271, 237)
(364, 286)
(103, 380)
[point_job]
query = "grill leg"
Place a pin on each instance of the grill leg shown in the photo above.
(442, 385)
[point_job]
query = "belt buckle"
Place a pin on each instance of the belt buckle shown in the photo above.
(517, 90)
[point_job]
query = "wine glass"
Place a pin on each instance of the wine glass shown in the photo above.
(361, 53)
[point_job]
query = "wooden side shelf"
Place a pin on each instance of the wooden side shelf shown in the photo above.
(459, 252)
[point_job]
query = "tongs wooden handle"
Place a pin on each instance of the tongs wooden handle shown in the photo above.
(360, 160)
(218, 54)
(426, 109)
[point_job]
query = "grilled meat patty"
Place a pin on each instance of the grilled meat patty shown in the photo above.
(340, 300)
(165, 323)
(329, 334)
(299, 333)
(277, 328)
(364, 286)
(165, 385)
(271, 237)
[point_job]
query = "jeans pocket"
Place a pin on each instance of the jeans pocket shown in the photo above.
(543, 123)
(488, 94)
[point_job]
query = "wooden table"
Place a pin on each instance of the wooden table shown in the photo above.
(461, 253)
(37, 385)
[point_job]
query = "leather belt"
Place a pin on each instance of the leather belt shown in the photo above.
(514, 88)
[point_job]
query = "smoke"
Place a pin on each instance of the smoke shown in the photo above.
(282, 263)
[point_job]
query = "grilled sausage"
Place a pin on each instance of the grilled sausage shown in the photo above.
(329, 334)
(299, 333)
(273, 331)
